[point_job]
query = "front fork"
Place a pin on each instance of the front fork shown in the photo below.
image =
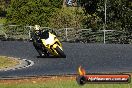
(55, 45)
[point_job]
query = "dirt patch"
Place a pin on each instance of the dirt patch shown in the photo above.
(37, 80)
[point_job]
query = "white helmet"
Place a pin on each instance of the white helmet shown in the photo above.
(37, 27)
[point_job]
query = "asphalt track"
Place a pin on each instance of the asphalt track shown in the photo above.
(95, 58)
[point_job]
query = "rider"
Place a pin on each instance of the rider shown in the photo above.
(37, 33)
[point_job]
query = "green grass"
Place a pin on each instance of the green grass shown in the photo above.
(7, 62)
(63, 84)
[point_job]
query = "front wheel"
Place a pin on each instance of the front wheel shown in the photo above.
(60, 52)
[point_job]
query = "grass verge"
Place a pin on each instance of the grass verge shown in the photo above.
(55, 82)
(6, 62)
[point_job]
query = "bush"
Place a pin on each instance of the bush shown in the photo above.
(69, 17)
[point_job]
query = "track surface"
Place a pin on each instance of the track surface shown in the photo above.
(93, 57)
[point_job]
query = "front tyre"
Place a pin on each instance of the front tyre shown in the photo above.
(60, 52)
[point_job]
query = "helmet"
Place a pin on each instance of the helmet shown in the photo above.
(37, 27)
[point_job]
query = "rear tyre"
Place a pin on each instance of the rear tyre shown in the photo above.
(60, 52)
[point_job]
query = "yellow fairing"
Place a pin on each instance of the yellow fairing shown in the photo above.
(52, 45)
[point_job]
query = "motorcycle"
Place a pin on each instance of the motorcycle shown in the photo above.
(49, 45)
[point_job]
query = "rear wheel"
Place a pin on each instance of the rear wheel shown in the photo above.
(60, 52)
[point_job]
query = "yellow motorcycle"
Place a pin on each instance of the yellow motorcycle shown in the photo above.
(50, 45)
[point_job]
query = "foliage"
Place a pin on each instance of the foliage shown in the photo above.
(119, 15)
(89, 5)
(51, 13)
(67, 17)
(2, 4)
(3, 7)
(31, 12)
(2, 20)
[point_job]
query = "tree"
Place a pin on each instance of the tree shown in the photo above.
(31, 12)
(67, 17)
(89, 5)
(119, 14)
